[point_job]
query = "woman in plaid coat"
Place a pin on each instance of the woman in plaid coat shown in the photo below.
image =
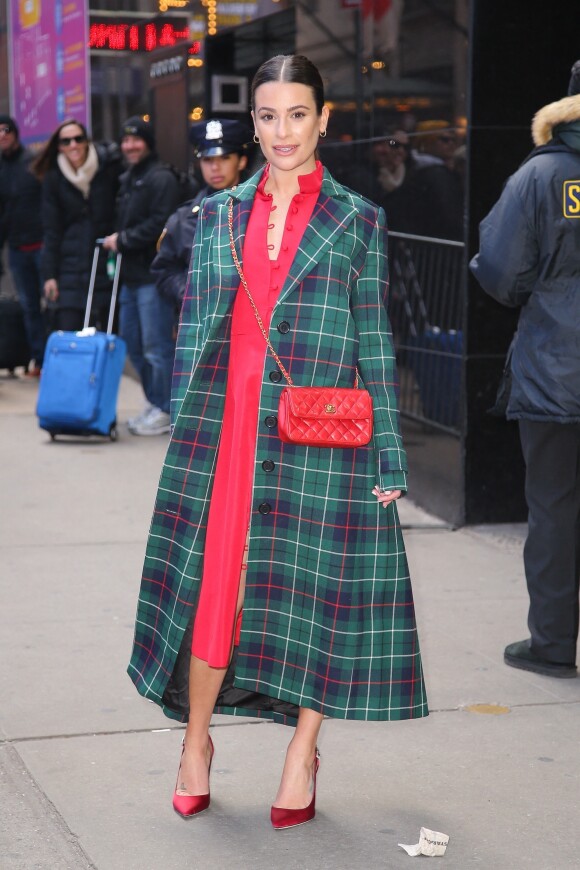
(328, 624)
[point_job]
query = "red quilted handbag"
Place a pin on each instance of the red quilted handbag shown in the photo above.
(316, 416)
(325, 416)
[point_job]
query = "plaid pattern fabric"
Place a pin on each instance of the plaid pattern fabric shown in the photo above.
(328, 613)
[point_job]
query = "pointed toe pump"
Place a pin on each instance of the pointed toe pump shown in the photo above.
(285, 818)
(187, 805)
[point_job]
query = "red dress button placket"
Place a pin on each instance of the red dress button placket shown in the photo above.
(216, 607)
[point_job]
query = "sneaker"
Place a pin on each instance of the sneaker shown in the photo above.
(134, 421)
(155, 422)
(33, 370)
(520, 655)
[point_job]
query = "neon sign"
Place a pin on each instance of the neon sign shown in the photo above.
(122, 35)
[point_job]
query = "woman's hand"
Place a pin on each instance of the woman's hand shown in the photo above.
(387, 495)
(51, 290)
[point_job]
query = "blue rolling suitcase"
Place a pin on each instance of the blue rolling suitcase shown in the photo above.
(81, 374)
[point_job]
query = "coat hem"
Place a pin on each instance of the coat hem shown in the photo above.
(385, 715)
(379, 715)
(513, 416)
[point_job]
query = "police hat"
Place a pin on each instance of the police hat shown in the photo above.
(219, 136)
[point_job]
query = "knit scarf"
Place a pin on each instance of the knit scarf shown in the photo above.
(390, 181)
(81, 178)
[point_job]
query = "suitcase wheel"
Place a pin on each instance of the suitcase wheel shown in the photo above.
(113, 434)
(52, 436)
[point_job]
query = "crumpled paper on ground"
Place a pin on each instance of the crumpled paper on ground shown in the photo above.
(431, 843)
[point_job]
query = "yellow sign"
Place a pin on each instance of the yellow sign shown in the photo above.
(571, 203)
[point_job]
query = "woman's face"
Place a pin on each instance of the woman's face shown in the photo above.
(222, 170)
(72, 142)
(392, 150)
(288, 125)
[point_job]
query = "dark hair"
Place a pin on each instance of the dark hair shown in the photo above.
(574, 84)
(292, 68)
(47, 157)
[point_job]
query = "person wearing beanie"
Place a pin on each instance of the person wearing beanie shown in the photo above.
(139, 128)
(149, 193)
(529, 258)
(21, 229)
(9, 125)
(222, 148)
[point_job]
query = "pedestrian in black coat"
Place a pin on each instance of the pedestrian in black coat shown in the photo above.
(21, 229)
(150, 192)
(433, 200)
(80, 185)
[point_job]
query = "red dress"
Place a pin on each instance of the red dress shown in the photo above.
(229, 512)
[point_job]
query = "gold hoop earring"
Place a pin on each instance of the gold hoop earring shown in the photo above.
(256, 140)
(323, 134)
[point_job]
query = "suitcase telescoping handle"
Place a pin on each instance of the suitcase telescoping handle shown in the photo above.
(98, 246)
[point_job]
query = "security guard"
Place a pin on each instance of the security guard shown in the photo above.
(222, 149)
(529, 257)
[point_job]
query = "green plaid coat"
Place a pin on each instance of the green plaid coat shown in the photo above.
(328, 612)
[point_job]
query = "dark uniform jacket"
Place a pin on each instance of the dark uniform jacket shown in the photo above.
(170, 266)
(20, 198)
(529, 256)
(149, 194)
(71, 225)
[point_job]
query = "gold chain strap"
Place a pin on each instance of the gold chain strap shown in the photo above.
(252, 303)
(247, 289)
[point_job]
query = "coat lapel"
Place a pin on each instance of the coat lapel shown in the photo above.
(331, 216)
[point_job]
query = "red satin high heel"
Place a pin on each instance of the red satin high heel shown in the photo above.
(285, 818)
(188, 805)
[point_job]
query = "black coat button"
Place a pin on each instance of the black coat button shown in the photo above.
(270, 422)
(268, 465)
(276, 376)
(264, 508)
(283, 327)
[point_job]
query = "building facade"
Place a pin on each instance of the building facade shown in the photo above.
(451, 83)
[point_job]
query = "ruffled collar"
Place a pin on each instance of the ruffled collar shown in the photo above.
(309, 183)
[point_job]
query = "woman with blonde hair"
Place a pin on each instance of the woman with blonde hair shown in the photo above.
(275, 580)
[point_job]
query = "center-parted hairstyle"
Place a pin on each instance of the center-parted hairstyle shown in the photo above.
(292, 69)
(47, 157)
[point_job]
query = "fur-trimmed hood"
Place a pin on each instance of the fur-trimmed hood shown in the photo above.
(560, 112)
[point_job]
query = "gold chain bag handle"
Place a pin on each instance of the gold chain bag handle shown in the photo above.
(247, 289)
(314, 416)
(252, 303)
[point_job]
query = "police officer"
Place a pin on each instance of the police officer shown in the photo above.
(222, 147)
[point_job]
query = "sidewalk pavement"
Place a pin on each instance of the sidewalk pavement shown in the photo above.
(87, 767)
